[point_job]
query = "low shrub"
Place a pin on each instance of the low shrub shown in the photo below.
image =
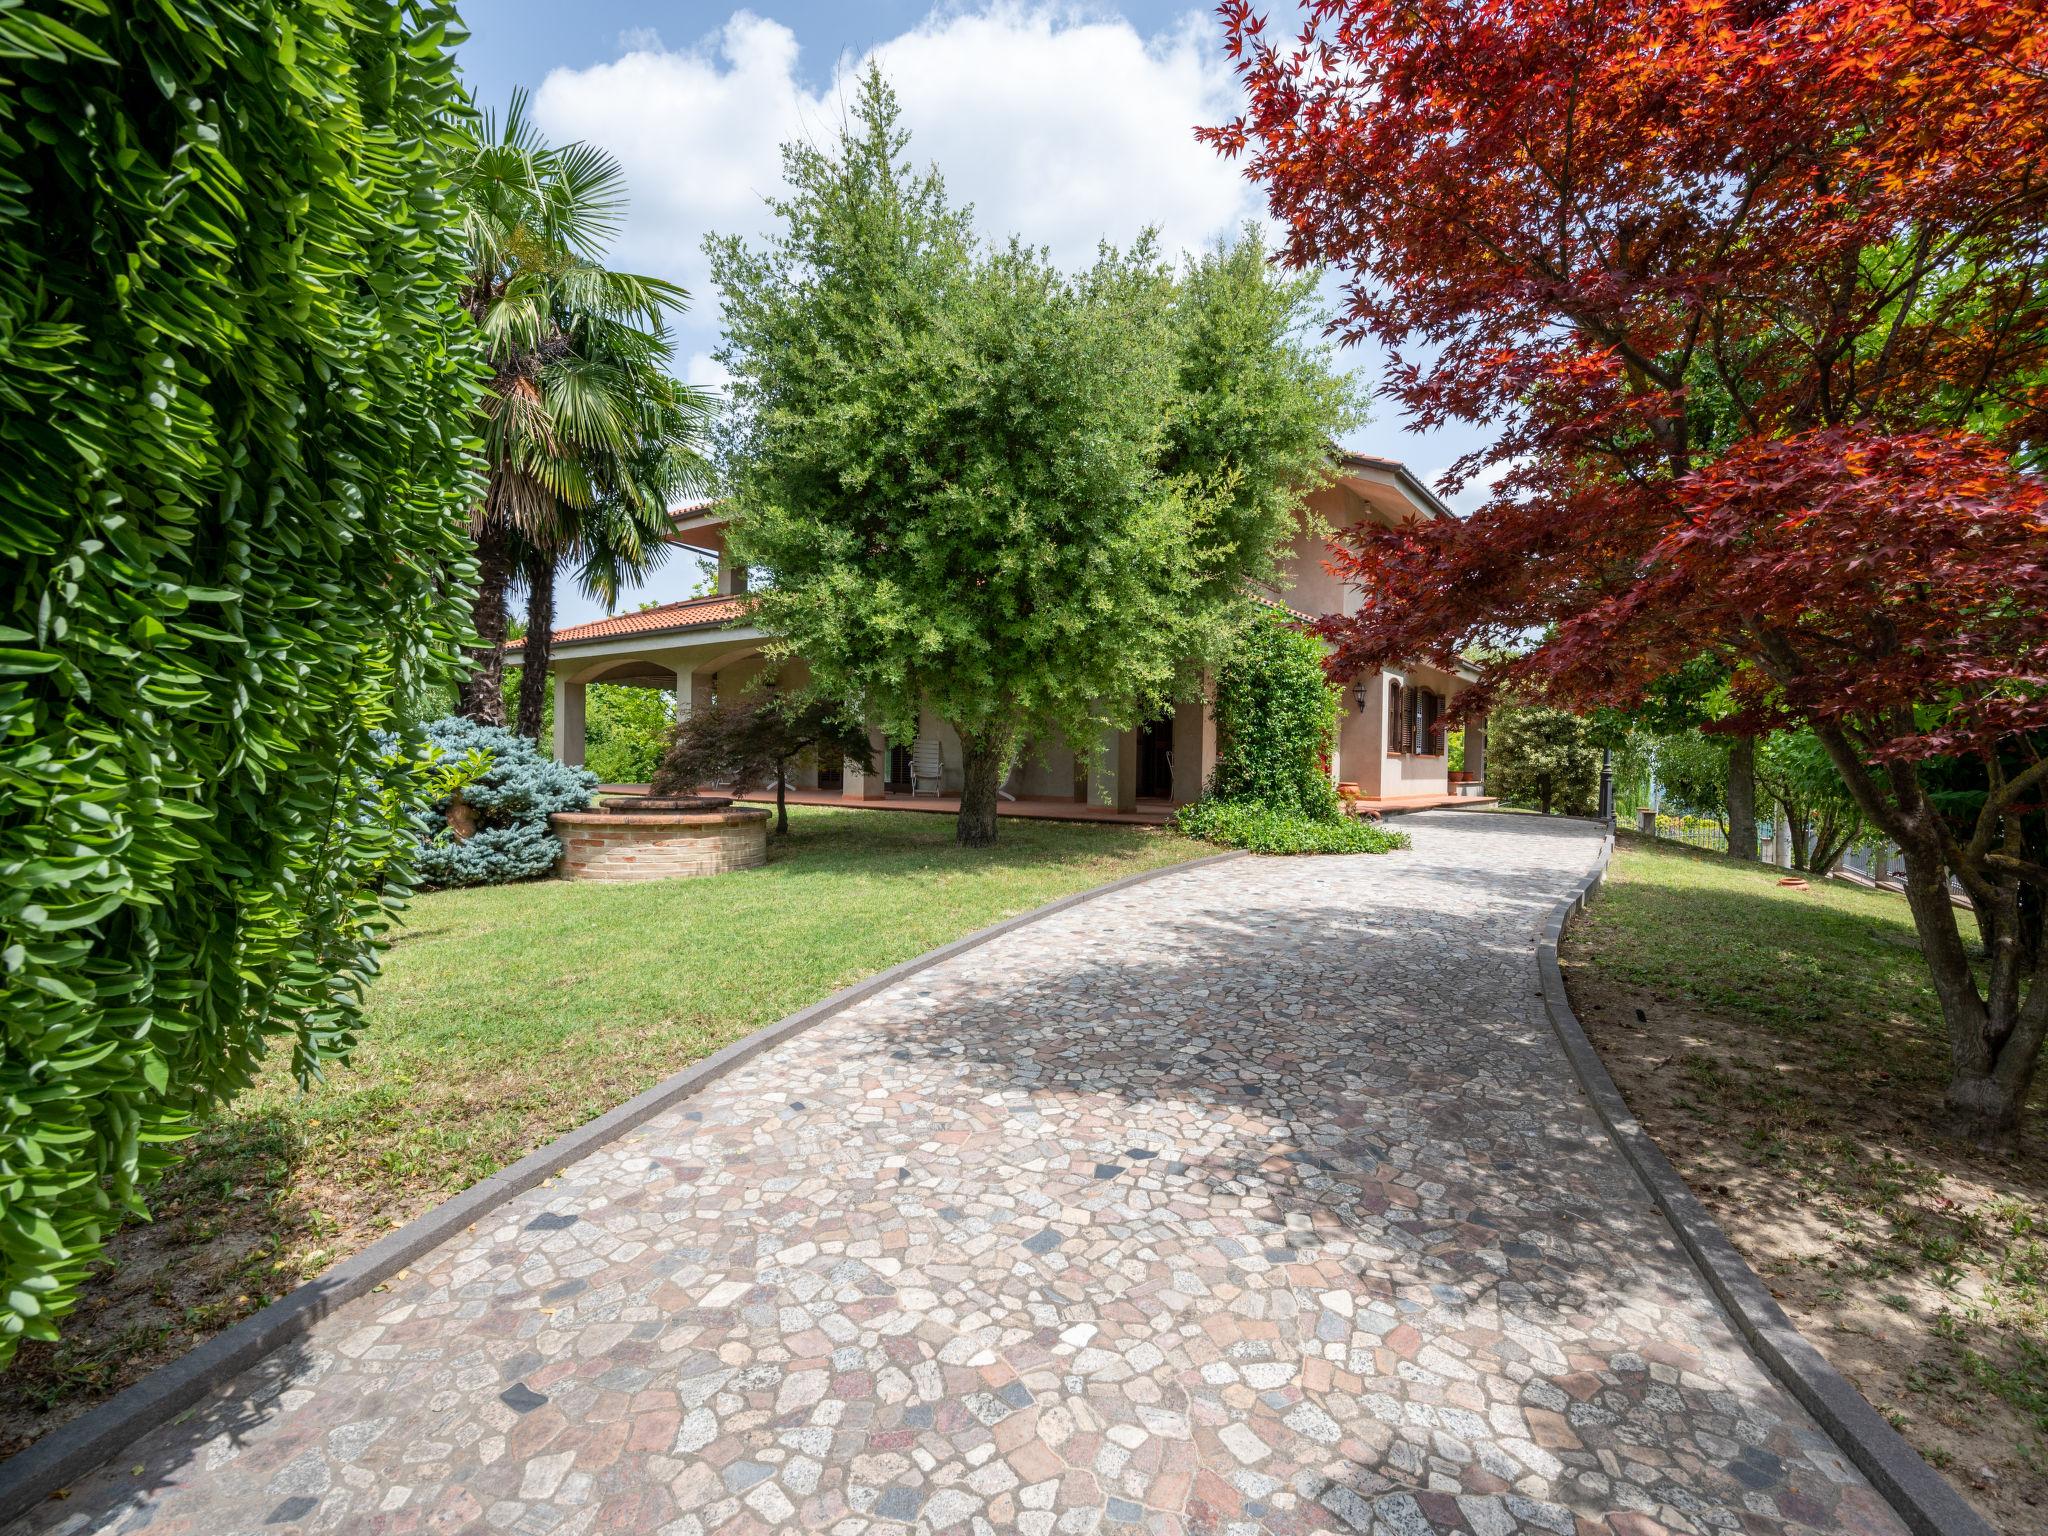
(512, 789)
(1244, 824)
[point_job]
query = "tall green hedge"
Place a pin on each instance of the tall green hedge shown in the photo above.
(235, 391)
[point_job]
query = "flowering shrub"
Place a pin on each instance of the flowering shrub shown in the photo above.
(512, 789)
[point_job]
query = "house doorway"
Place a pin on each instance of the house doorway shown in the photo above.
(1155, 758)
(899, 769)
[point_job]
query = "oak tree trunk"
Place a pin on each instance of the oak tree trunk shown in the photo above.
(1742, 798)
(539, 643)
(982, 756)
(483, 693)
(782, 797)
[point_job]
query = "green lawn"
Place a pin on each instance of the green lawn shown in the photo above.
(1789, 1057)
(508, 1015)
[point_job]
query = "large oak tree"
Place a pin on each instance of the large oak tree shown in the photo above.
(1755, 292)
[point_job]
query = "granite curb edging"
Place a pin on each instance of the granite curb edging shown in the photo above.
(1924, 1499)
(87, 1442)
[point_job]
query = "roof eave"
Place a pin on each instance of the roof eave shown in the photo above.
(1433, 506)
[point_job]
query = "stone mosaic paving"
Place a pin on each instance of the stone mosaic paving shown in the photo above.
(1257, 1199)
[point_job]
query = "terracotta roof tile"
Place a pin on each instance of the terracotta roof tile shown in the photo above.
(695, 613)
(1259, 595)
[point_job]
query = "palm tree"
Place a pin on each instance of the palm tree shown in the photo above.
(573, 349)
(651, 456)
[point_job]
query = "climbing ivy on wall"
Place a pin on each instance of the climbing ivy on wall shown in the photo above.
(1276, 720)
(1276, 723)
(235, 388)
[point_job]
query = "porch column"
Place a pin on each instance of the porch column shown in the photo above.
(1192, 732)
(1113, 772)
(569, 720)
(692, 692)
(871, 784)
(1207, 701)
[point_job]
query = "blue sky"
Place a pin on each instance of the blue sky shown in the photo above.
(1061, 122)
(516, 42)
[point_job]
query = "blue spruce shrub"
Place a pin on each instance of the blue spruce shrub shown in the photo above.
(513, 788)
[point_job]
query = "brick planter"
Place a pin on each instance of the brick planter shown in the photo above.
(608, 845)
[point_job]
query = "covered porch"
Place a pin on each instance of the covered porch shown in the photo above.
(1391, 747)
(1145, 813)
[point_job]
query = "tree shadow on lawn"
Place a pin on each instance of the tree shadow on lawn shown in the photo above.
(850, 841)
(1786, 1050)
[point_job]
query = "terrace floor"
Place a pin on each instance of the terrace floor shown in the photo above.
(1148, 812)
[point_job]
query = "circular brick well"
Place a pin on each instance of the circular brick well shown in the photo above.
(642, 845)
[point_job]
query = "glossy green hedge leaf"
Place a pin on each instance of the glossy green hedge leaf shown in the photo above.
(235, 406)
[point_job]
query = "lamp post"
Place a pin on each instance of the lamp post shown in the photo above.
(1607, 785)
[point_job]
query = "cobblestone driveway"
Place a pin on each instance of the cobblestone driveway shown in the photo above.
(1255, 1199)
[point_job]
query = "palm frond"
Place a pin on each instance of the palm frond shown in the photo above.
(585, 198)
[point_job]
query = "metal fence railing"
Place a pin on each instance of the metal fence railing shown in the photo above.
(1693, 831)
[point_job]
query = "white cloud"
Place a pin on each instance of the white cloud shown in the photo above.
(1061, 123)
(1058, 125)
(706, 372)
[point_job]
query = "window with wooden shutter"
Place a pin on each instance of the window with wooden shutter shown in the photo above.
(1397, 717)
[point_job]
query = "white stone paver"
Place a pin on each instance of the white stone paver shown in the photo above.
(1257, 1198)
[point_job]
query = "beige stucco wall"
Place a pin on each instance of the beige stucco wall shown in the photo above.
(1046, 770)
(1306, 585)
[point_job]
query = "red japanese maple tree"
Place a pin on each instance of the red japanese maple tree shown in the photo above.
(1755, 293)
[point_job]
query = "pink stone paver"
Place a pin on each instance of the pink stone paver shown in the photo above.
(1255, 1199)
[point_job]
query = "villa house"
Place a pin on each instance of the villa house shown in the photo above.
(1391, 744)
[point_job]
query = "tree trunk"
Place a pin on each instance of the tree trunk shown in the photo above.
(1994, 1036)
(1995, 1042)
(1742, 798)
(1795, 828)
(782, 797)
(982, 756)
(1830, 842)
(483, 692)
(540, 643)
